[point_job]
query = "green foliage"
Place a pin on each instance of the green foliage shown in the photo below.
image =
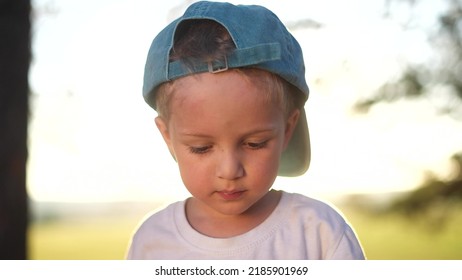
(429, 195)
(438, 79)
(431, 208)
(434, 202)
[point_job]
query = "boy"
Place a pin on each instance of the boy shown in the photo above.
(228, 83)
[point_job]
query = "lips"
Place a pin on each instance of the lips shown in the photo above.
(231, 195)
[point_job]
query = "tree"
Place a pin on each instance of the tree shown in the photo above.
(440, 80)
(440, 77)
(14, 105)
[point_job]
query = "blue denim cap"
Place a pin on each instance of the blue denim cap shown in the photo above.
(262, 41)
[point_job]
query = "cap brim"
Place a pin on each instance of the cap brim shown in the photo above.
(296, 158)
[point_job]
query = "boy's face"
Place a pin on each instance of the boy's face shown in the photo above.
(227, 139)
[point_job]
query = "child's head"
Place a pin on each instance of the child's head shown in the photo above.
(207, 40)
(244, 44)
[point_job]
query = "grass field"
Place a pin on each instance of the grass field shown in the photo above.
(394, 237)
(383, 237)
(94, 239)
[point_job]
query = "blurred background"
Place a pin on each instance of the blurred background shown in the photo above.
(384, 113)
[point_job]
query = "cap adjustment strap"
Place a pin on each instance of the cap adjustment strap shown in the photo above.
(239, 58)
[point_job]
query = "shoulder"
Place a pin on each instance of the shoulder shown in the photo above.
(313, 209)
(157, 227)
(158, 219)
(324, 227)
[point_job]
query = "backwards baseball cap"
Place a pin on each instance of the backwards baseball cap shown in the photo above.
(261, 41)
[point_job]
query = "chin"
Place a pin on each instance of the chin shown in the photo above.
(233, 210)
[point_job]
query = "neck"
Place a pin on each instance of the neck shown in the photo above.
(218, 225)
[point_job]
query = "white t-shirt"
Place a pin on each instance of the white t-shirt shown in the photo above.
(299, 228)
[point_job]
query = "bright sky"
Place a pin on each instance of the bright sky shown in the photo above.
(92, 137)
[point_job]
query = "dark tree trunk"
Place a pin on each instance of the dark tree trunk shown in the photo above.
(14, 107)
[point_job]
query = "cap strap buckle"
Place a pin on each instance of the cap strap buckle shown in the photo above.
(218, 67)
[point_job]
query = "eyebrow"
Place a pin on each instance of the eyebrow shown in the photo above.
(198, 135)
(269, 129)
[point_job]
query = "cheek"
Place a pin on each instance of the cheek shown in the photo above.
(193, 172)
(263, 167)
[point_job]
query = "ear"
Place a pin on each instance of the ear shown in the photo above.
(291, 123)
(162, 125)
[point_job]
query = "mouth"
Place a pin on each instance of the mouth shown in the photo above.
(231, 195)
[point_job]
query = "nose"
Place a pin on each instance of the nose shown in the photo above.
(229, 165)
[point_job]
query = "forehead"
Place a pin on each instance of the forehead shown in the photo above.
(268, 86)
(224, 96)
(230, 87)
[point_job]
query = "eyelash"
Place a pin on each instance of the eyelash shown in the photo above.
(251, 145)
(199, 150)
(257, 146)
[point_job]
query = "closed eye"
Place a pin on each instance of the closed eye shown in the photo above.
(200, 150)
(257, 145)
